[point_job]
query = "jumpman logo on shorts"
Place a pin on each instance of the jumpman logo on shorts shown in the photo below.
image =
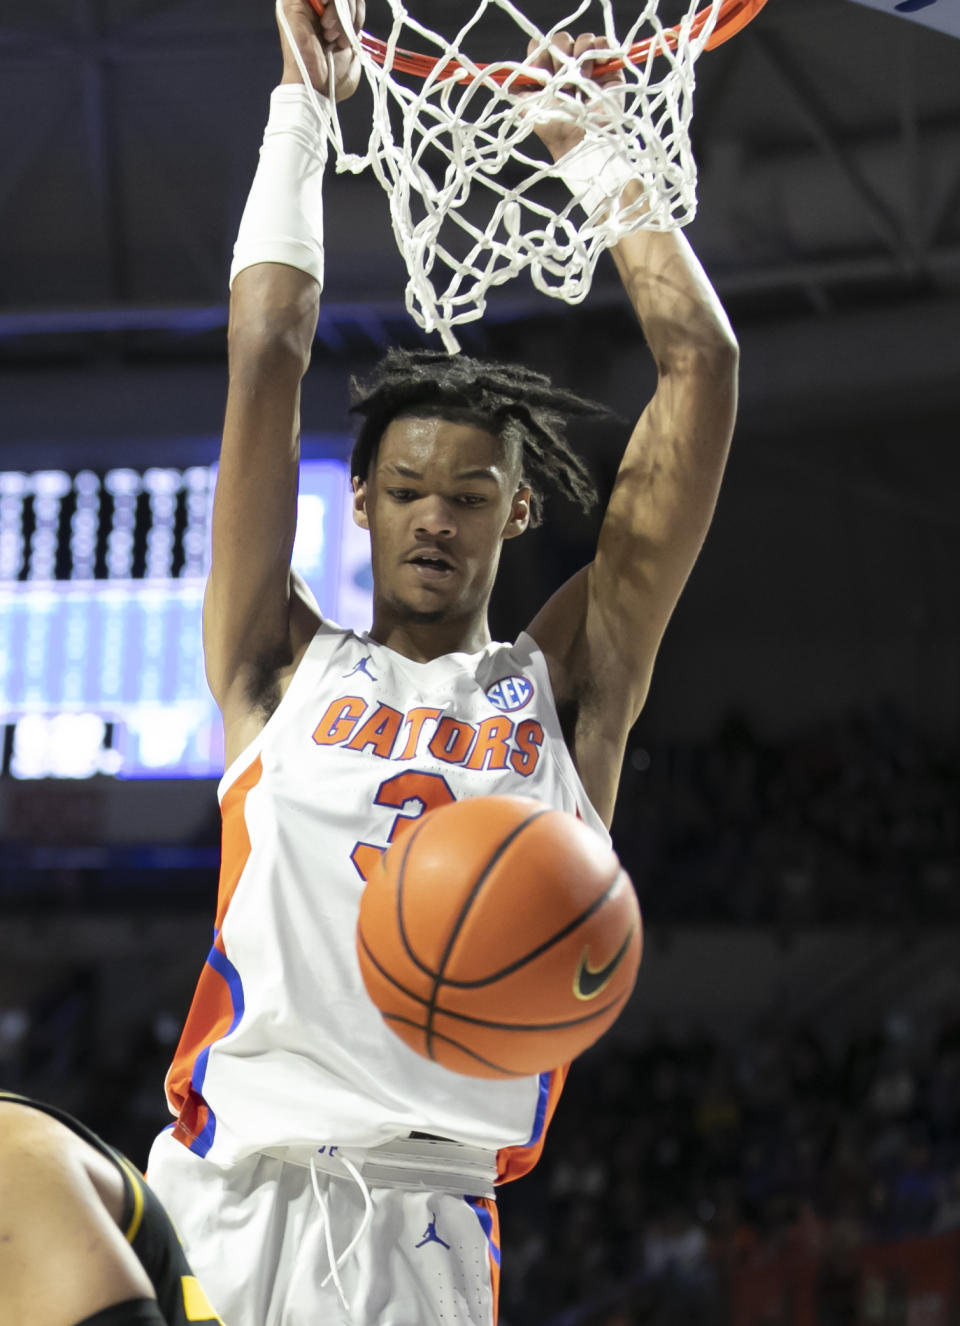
(430, 1235)
(361, 667)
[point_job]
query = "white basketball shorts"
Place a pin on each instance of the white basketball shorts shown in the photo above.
(263, 1237)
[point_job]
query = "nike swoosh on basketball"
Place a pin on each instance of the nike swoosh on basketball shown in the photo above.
(589, 981)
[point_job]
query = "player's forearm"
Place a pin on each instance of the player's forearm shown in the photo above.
(278, 259)
(273, 320)
(679, 310)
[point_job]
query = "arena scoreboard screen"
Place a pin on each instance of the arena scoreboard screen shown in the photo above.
(101, 585)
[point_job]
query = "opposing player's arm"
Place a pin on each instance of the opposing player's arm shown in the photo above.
(257, 618)
(62, 1255)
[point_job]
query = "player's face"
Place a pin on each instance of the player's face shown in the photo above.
(439, 500)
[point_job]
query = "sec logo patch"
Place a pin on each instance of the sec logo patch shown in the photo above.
(510, 693)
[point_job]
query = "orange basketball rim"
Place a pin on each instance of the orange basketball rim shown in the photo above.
(734, 15)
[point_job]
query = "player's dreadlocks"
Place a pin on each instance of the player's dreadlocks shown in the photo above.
(521, 407)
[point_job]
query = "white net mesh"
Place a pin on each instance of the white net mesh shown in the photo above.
(474, 199)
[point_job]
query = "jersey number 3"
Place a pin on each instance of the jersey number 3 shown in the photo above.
(428, 791)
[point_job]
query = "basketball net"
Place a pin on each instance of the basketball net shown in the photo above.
(474, 198)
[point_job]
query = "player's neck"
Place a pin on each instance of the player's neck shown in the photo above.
(423, 641)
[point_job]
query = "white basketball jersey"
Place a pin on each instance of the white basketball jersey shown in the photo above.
(282, 1045)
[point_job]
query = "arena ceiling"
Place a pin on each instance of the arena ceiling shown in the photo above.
(828, 137)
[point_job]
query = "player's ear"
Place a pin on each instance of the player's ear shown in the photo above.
(360, 503)
(519, 517)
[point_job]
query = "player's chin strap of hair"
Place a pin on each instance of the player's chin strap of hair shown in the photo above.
(337, 1260)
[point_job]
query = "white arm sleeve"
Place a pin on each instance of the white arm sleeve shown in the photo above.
(283, 218)
(594, 174)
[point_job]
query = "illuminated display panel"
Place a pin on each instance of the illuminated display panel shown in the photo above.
(101, 586)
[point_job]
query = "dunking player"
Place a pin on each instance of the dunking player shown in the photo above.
(83, 1240)
(318, 1170)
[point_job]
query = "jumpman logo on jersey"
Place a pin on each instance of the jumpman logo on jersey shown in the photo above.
(361, 667)
(430, 1235)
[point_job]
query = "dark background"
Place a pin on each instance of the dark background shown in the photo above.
(789, 807)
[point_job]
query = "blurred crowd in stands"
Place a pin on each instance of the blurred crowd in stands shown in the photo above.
(856, 820)
(678, 1176)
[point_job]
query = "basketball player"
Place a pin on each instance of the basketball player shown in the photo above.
(318, 1169)
(83, 1240)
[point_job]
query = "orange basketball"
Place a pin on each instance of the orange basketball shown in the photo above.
(499, 937)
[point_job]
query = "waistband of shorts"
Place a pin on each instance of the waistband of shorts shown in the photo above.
(420, 1164)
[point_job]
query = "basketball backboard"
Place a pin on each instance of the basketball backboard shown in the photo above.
(944, 15)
